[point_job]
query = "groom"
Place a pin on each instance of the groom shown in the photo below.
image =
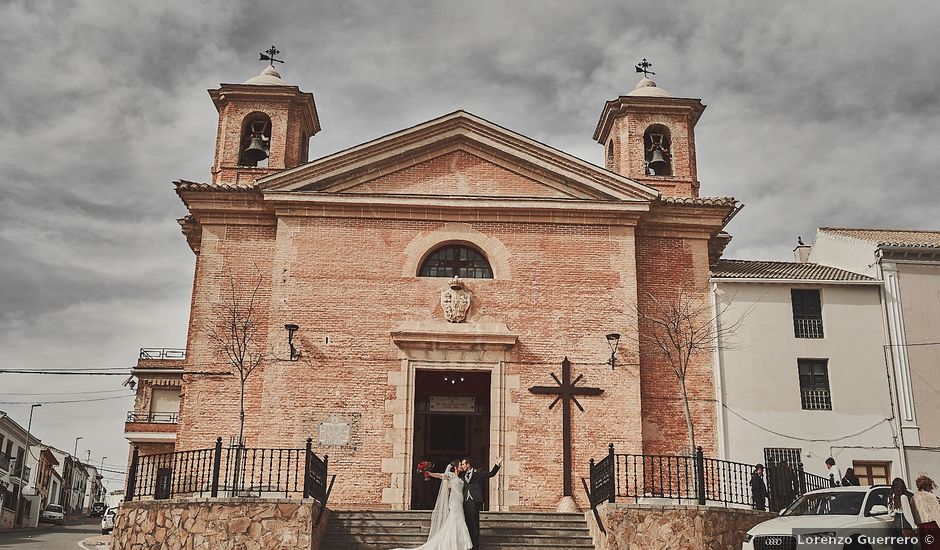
(473, 497)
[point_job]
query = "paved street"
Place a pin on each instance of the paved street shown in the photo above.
(52, 537)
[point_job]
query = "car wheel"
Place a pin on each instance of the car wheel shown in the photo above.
(856, 545)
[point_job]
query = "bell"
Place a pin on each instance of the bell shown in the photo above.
(657, 164)
(257, 150)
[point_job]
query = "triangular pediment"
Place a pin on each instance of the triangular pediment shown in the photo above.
(458, 155)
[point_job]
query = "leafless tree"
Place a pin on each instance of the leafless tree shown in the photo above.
(233, 329)
(681, 329)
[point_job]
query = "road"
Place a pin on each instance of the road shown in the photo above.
(52, 537)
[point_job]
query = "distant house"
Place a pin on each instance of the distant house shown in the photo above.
(14, 470)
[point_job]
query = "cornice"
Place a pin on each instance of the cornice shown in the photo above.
(615, 108)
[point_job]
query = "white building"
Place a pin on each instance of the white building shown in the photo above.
(14, 472)
(94, 491)
(803, 376)
(908, 263)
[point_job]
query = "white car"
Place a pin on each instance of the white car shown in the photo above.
(840, 518)
(54, 513)
(107, 520)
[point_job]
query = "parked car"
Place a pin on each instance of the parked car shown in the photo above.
(98, 509)
(107, 520)
(834, 518)
(54, 513)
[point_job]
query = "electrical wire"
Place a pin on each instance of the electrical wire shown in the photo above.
(826, 440)
(124, 372)
(65, 401)
(66, 392)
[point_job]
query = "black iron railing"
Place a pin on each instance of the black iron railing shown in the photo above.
(229, 471)
(692, 480)
(154, 418)
(808, 328)
(162, 353)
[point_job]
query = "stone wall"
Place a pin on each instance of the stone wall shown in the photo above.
(647, 527)
(219, 524)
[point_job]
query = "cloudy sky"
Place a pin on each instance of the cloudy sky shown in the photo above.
(819, 113)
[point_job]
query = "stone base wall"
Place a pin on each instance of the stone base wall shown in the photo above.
(219, 524)
(645, 526)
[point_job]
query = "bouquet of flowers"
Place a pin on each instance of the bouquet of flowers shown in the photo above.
(424, 467)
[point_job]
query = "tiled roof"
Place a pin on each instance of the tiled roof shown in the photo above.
(700, 201)
(889, 237)
(184, 185)
(754, 269)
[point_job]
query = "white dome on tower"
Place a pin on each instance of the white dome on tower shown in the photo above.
(647, 88)
(268, 77)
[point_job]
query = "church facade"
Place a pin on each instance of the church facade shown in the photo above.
(410, 290)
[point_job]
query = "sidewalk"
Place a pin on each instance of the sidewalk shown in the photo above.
(100, 542)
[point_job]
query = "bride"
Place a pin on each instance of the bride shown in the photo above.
(448, 527)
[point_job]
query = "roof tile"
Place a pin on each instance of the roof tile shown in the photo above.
(755, 269)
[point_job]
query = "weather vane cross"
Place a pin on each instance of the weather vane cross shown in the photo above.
(644, 67)
(273, 51)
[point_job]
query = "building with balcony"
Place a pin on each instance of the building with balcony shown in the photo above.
(14, 471)
(158, 377)
(802, 375)
(41, 481)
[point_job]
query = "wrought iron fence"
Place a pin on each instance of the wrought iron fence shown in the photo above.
(692, 480)
(153, 418)
(816, 400)
(230, 471)
(162, 353)
(808, 328)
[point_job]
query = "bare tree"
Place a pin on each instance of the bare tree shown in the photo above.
(233, 328)
(681, 329)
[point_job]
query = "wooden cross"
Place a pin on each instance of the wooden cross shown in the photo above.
(272, 51)
(566, 391)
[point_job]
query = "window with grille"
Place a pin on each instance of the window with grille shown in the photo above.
(456, 260)
(807, 313)
(814, 384)
(872, 472)
(779, 455)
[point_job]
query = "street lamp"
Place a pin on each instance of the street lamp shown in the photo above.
(22, 467)
(291, 328)
(613, 340)
(75, 452)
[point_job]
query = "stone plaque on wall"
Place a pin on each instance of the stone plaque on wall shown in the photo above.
(336, 430)
(452, 403)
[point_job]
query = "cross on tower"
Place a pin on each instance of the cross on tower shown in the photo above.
(566, 392)
(644, 67)
(272, 51)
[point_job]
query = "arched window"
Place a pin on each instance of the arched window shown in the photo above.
(657, 146)
(256, 141)
(456, 260)
(610, 154)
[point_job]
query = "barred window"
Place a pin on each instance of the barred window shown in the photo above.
(456, 260)
(814, 384)
(807, 313)
(779, 455)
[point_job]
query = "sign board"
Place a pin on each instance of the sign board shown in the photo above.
(452, 403)
(334, 432)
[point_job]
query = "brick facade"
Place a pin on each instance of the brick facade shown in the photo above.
(337, 245)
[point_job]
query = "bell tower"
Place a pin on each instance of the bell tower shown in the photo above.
(265, 125)
(648, 136)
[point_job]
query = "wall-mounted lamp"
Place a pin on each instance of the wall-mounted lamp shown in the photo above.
(613, 340)
(291, 329)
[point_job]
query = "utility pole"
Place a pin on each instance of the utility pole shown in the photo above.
(75, 452)
(22, 467)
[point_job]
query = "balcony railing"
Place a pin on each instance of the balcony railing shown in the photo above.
(162, 353)
(808, 328)
(154, 417)
(816, 400)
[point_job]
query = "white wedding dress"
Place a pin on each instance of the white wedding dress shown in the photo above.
(448, 526)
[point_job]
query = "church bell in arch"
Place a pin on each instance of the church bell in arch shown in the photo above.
(658, 164)
(258, 148)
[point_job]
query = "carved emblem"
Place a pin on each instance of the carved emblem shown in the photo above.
(455, 301)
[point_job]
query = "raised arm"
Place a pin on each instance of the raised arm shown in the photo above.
(438, 476)
(496, 467)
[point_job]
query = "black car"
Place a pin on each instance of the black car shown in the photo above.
(97, 509)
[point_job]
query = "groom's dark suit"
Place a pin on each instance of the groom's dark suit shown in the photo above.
(473, 500)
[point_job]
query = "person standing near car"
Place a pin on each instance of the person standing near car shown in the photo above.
(850, 478)
(834, 473)
(927, 512)
(758, 488)
(899, 508)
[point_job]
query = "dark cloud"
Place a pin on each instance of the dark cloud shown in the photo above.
(820, 113)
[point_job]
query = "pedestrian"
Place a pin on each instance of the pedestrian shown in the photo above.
(902, 518)
(758, 488)
(927, 513)
(850, 478)
(833, 471)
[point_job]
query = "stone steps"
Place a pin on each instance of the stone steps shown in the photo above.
(380, 529)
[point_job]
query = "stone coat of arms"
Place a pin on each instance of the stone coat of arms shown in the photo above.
(455, 301)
